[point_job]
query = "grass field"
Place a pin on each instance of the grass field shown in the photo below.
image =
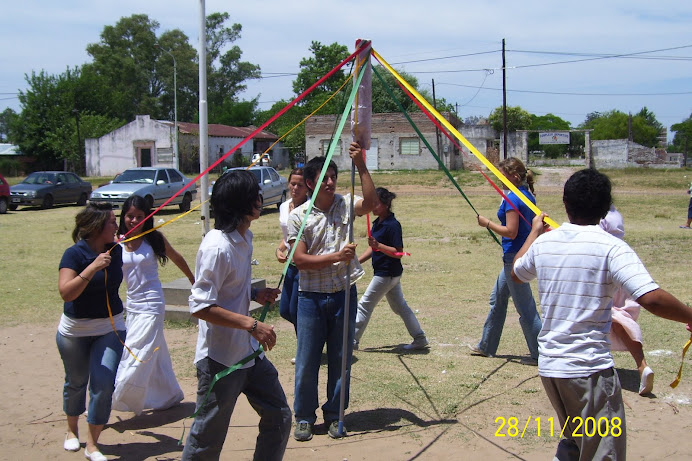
(447, 281)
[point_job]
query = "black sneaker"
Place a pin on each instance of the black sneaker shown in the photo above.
(333, 430)
(303, 431)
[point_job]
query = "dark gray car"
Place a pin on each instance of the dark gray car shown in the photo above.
(46, 188)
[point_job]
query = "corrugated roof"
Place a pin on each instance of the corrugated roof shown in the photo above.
(223, 130)
(9, 149)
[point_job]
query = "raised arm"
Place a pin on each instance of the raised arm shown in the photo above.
(365, 206)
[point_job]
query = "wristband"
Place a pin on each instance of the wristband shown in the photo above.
(83, 278)
(254, 326)
(487, 226)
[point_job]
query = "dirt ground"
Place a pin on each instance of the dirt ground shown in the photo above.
(33, 424)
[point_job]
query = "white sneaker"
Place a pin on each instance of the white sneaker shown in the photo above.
(646, 385)
(417, 344)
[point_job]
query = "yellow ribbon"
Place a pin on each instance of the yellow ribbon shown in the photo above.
(675, 383)
(464, 141)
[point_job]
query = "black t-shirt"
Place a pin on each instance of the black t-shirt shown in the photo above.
(387, 232)
(91, 304)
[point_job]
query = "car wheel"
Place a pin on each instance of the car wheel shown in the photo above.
(82, 200)
(150, 201)
(283, 199)
(47, 202)
(185, 204)
(3, 205)
(12, 207)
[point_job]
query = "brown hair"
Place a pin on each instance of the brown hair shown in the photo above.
(296, 171)
(513, 165)
(91, 220)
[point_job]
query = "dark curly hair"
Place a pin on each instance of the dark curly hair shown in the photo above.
(385, 197)
(155, 239)
(587, 196)
(234, 196)
(313, 168)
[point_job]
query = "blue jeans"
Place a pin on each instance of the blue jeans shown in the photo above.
(91, 360)
(260, 384)
(320, 321)
(391, 288)
(288, 307)
(524, 303)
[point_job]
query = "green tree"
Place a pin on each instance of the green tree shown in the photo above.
(517, 119)
(126, 57)
(226, 72)
(323, 59)
(682, 141)
(8, 120)
(616, 125)
(548, 122)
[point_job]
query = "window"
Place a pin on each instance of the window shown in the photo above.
(409, 146)
(71, 179)
(175, 177)
(324, 146)
(162, 176)
(274, 175)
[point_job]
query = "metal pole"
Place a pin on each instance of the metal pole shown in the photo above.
(203, 116)
(504, 100)
(176, 157)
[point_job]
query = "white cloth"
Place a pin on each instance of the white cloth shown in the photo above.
(70, 327)
(223, 277)
(141, 273)
(284, 211)
(579, 269)
(625, 313)
(325, 232)
(149, 383)
(613, 223)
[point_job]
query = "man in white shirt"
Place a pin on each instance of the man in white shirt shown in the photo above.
(220, 299)
(579, 267)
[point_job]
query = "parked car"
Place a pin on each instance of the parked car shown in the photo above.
(266, 159)
(273, 186)
(4, 195)
(46, 188)
(156, 185)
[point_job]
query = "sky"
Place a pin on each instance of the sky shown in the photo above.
(621, 55)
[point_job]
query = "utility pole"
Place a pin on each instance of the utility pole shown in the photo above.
(79, 138)
(437, 130)
(203, 116)
(504, 100)
(176, 157)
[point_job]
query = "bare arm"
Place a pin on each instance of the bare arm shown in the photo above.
(71, 284)
(305, 261)
(509, 230)
(662, 304)
(367, 254)
(179, 261)
(217, 315)
(365, 206)
(379, 246)
(538, 226)
(281, 252)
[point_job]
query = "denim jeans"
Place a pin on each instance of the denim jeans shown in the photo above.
(91, 360)
(391, 288)
(260, 384)
(523, 302)
(320, 321)
(288, 307)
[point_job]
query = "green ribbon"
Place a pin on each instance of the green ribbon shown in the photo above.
(427, 144)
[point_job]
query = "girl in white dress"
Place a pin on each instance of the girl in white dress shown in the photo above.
(147, 383)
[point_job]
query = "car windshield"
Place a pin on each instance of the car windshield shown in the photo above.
(40, 178)
(138, 176)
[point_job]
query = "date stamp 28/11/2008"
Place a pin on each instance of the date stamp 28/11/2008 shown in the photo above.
(583, 427)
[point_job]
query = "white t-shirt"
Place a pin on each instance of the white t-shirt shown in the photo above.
(223, 276)
(141, 273)
(579, 268)
(284, 211)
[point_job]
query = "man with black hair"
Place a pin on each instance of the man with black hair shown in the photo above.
(325, 257)
(579, 267)
(220, 299)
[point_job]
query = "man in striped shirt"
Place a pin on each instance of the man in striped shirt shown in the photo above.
(579, 267)
(324, 256)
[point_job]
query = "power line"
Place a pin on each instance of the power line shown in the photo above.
(570, 93)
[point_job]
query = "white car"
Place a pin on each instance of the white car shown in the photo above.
(156, 185)
(266, 159)
(273, 186)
